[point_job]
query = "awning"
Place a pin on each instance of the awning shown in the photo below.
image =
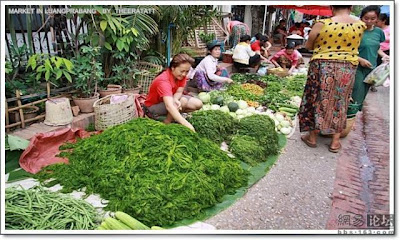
(319, 10)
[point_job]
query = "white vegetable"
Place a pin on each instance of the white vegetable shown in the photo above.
(215, 107)
(260, 109)
(276, 122)
(286, 130)
(285, 123)
(240, 112)
(206, 107)
(242, 104)
(204, 97)
(251, 109)
(233, 114)
(224, 109)
(279, 117)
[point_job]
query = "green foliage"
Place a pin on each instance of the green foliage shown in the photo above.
(213, 124)
(157, 173)
(207, 37)
(262, 128)
(247, 149)
(51, 67)
(88, 70)
(240, 93)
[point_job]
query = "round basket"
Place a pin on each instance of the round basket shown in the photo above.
(109, 114)
(278, 73)
(111, 89)
(58, 112)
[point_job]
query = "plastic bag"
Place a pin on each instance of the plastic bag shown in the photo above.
(379, 75)
(262, 71)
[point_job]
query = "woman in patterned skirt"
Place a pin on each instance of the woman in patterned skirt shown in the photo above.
(331, 76)
(236, 29)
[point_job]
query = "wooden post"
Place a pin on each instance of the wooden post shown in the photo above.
(21, 111)
(7, 117)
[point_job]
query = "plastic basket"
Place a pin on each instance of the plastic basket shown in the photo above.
(107, 114)
(148, 72)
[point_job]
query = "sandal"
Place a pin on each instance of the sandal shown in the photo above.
(305, 139)
(335, 150)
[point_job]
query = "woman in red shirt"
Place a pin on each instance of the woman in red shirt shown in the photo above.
(286, 58)
(165, 95)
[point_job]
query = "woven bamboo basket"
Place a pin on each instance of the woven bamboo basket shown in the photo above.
(107, 114)
(278, 73)
(148, 72)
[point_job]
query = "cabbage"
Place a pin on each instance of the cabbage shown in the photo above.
(204, 97)
(285, 123)
(224, 109)
(251, 109)
(206, 107)
(286, 130)
(215, 107)
(233, 114)
(279, 117)
(240, 112)
(242, 104)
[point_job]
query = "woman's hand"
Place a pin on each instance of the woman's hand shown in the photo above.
(178, 104)
(386, 59)
(190, 126)
(229, 81)
(365, 63)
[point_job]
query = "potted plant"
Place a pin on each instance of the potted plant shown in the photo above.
(89, 73)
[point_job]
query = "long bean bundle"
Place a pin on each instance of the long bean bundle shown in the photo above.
(40, 209)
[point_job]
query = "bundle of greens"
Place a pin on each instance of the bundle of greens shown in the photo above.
(214, 125)
(239, 93)
(247, 149)
(262, 128)
(40, 209)
(157, 173)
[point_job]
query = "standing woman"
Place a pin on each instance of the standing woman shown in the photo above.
(383, 23)
(165, 95)
(368, 53)
(331, 74)
(236, 29)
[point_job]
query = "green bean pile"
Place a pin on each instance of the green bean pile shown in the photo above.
(40, 209)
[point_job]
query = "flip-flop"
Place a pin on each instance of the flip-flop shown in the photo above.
(335, 150)
(304, 138)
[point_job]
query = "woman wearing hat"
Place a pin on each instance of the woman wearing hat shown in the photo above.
(208, 75)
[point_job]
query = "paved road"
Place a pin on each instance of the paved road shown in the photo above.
(298, 191)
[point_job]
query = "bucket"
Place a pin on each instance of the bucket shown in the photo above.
(58, 112)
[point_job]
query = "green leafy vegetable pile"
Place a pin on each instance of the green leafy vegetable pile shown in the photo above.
(262, 128)
(247, 149)
(157, 173)
(214, 125)
(40, 209)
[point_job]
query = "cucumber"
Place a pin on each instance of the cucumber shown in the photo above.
(130, 221)
(286, 109)
(288, 106)
(114, 224)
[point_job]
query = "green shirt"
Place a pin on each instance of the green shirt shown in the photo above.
(370, 44)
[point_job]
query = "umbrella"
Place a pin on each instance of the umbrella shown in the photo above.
(320, 10)
(385, 9)
(316, 11)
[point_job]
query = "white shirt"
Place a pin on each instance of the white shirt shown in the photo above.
(242, 53)
(209, 66)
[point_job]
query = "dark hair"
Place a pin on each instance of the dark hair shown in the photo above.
(263, 39)
(385, 18)
(282, 20)
(289, 46)
(180, 59)
(297, 24)
(341, 6)
(371, 8)
(307, 23)
(245, 38)
(257, 36)
(297, 44)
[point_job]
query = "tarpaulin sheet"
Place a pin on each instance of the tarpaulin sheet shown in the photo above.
(43, 148)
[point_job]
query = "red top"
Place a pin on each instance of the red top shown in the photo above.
(293, 57)
(255, 46)
(294, 28)
(163, 85)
